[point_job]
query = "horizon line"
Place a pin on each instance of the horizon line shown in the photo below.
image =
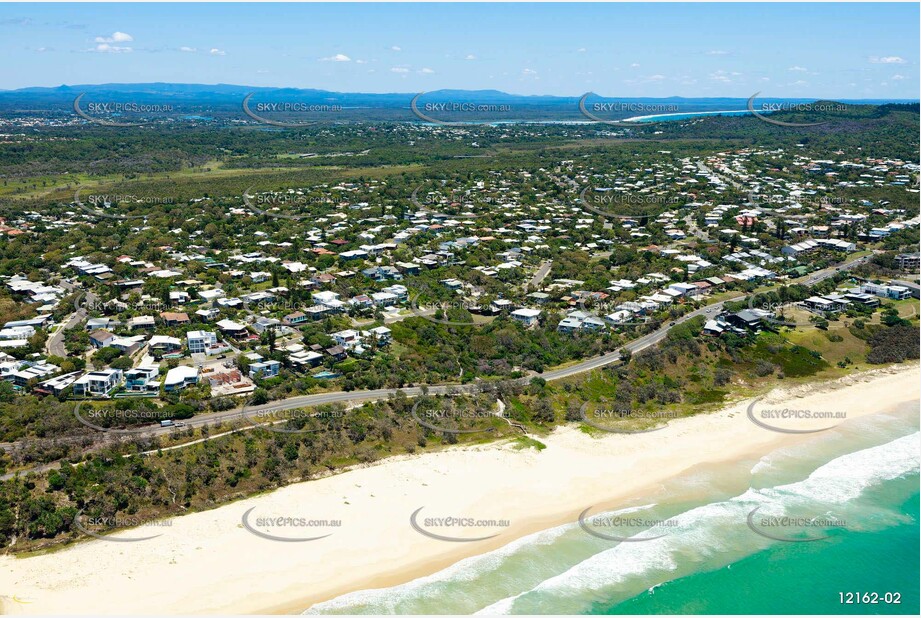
(466, 90)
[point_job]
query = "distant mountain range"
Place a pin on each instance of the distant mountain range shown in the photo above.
(208, 92)
(223, 98)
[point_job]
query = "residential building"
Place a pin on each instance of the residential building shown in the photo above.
(264, 369)
(198, 341)
(142, 379)
(171, 318)
(164, 344)
(141, 321)
(178, 378)
(896, 292)
(98, 383)
(528, 317)
(908, 261)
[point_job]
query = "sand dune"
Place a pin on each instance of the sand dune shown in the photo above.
(210, 563)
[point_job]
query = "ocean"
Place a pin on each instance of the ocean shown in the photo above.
(690, 115)
(823, 527)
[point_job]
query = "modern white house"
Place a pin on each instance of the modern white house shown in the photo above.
(199, 341)
(142, 379)
(178, 378)
(382, 334)
(265, 369)
(98, 383)
(347, 338)
(165, 343)
(896, 292)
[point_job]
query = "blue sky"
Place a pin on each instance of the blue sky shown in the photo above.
(783, 50)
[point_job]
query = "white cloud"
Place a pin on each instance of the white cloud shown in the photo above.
(217, 52)
(191, 50)
(887, 60)
(396, 48)
(529, 72)
(897, 77)
(721, 76)
(797, 69)
(581, 50)
(717, 52)
(400, 70)
(470, 57)
(336, 58)
(634, 65)
(361, 62)
(117, 37)
(105, 48)
(426, 71)
(656, 78)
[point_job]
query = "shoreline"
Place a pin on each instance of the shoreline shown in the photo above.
(206, 562)
(640, 119)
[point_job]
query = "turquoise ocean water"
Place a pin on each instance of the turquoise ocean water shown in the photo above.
(854, 489)
(690, 115)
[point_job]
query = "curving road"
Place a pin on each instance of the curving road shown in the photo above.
(303, 401)
(55, 343)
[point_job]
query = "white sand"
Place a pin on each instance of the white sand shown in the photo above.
(208, 563)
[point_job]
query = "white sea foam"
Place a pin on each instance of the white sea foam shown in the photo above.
(468, 569)
(705, 532)
(710, 533)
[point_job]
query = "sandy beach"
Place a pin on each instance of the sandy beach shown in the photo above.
(210, 562)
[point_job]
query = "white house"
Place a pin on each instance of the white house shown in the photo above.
(528, 317)
(99, 383)
(199, 341)
(179, 377)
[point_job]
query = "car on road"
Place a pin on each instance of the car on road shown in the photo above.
(671, 323)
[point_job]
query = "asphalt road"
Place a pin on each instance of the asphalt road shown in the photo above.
(303, 401)
(55, 343)
(539, 276)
